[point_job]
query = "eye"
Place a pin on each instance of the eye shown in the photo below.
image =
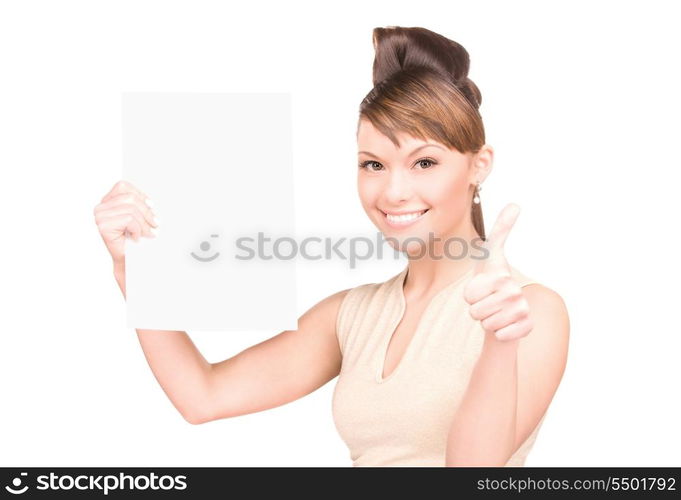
(365, 164)
(429, 161)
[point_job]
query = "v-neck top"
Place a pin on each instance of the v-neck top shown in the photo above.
(404, 419)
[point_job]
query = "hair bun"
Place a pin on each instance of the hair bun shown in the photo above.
(408, 48)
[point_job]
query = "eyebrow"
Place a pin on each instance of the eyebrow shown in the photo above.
(410, 154)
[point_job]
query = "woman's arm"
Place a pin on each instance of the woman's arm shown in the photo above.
(175, 361)
(271, 373)
(511, 386)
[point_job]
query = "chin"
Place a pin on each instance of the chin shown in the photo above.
(415, 241)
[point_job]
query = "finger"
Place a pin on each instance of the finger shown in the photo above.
(123, 186)
(129, 198)
(516, 330)
(122, 210)
(119, 226)
(134, 228)
(494, 259)
(503, 318)
(106, 212)
(502, 227)
(482, 285)
(487, 306)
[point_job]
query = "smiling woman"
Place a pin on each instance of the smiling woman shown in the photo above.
(438, 367)
(452, 361)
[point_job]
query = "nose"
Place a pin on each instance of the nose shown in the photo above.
(398, 187)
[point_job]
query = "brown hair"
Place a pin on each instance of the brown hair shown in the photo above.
(421, 87)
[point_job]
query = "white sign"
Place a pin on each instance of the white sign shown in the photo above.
(218, 169)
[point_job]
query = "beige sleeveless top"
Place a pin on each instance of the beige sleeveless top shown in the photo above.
(404, 419)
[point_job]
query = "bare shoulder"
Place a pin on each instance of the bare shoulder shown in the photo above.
(550, 334)
(330, 303)
(323, 314)
(546, 303)
(542, 356)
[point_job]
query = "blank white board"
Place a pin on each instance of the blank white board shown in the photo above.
(218, 169)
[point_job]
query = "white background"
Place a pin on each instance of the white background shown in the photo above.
(580, 101)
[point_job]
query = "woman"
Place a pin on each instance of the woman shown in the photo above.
(453, 361)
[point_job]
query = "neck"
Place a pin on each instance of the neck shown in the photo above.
(443, 263)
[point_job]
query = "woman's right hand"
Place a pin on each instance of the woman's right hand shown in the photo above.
(123, 212)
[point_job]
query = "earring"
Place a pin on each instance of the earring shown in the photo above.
(476, 196)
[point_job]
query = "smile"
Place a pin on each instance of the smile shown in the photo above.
(403, 220)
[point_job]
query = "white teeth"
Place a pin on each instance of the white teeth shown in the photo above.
(405, 217)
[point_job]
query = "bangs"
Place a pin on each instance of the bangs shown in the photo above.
(426, 106)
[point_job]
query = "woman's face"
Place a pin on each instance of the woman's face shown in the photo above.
(428, 184)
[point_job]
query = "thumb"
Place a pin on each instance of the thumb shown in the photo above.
(497, 239)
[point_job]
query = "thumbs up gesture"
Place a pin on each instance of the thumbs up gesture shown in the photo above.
(495, 298)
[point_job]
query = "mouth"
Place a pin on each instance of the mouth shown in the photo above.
(403, 220)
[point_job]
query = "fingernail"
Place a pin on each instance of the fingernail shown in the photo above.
(155, 220)
(149, 202)
(154, 231)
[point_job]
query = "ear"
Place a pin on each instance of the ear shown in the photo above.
(482, 164)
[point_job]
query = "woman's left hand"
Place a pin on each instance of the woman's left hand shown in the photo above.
(495, 298)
